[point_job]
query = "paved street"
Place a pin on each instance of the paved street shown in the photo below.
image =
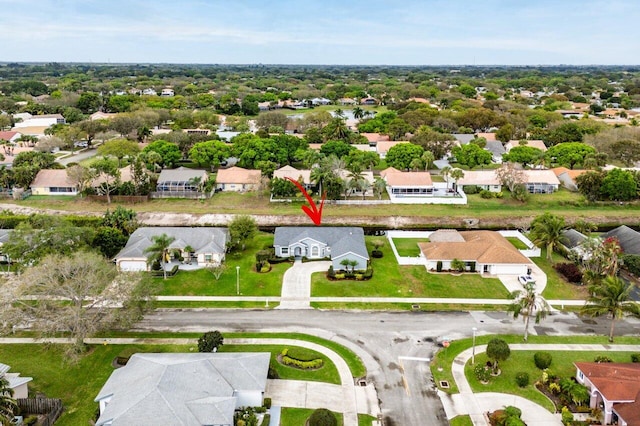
(385, 341)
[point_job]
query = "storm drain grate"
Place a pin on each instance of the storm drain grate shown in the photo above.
(362, 383)
(444, 384)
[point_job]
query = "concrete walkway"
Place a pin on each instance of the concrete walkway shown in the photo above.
(296, 284)
(345, 398)
(475, 404)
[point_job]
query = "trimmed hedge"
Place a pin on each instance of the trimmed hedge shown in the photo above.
(522, 379)
(542, 360)
(298, 363)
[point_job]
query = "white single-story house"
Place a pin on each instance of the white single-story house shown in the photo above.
(293, 173)
(336, 243)
(45, 120)
(10, 136)
(615, 388)
(407, 184)
(238, 179)
(483, 179)
(53, 182)
(208, 247)
(486, 252)
(188, 389)
(541, 181)
(18, 383)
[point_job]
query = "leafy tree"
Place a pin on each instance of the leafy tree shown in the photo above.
(590, 184)
(398, 128)
(401, 155)
(513, 179)
(210, 341)
(270, 119)
(122, 219)
(439, 144)
(626, 151)
(125, 124)
(523, 154)
(619, 185)
(337, 130)
(8, 405)
(38, 160)
(498, 350)
(322, 417)
(291, 147)
(81, 176)
(89, 102)
(528, 304)
(109, 241)
(547, 229)
(611, 297)
(92, 128)
(242, 229)
(472, 155)
(569, 154)
(119, 148)
(209, 153)
(283, 188)
(90, 286)
(169, 152)
(107, 171)
(338, 148)
(159, 250)
(467, 90)
(505, 133)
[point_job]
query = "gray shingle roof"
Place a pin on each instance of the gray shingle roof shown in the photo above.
(572, 238)
(181, 174)
(628, 238)
(203, 240)
(4, 235)
(495, 148)
(464, 138)
(341, 240)
(181, 388)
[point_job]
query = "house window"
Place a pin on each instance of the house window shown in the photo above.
(208, 258)
(314, 251)
(580, 375)
(284, 250)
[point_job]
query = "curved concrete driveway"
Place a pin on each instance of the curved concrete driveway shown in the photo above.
(296, 284)
(512, 284)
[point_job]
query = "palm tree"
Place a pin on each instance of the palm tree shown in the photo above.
(529, 304)
(456, 174)
(547, 230)
(8, 405)
(379, 186)
(611, 297)
(160, 249)
(415, 164)
(339, 112)
(310, 158)
(358, 113)
(321, 173)
(446, 172)
(428, 158)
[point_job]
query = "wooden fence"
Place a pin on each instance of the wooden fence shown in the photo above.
(50, 407)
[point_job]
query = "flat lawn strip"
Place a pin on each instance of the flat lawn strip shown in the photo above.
(299, 416)
(441, 363)
(517, 243)
(78, 384)
(461, 421)
(408, 247)
(425, 307)
(557, 287)
(328, 373)
(392, 280)
(218, 305)
(522, 361)
(201, 282)
(564, 203)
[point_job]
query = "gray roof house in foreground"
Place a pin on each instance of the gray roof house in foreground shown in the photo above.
(628, 238)
(316, 242)
(188, 389)
(572, 238)
(208, 244)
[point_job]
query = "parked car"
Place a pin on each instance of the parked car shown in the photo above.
(526, 279)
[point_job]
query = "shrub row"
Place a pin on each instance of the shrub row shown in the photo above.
(305, 365)
(343, 275)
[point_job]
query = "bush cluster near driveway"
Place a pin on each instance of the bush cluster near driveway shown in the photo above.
(392, 280)
(557, 287)
(202, 282)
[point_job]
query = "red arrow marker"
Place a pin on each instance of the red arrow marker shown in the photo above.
(313, 212)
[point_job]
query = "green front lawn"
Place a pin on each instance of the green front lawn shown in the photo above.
(299, 416)
(557, 287)
(202, 282)
(461, 421)
(392, 280)
(517, 243)
(522, 361)
(408, 247)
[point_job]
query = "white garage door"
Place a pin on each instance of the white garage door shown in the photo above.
(133, 265)
(509, 269)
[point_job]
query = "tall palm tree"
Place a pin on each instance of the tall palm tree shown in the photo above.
(456, 174)
(547, 229)
(428, 158)
(8, 405)
(528, 304)
(379, 186)
(611, 297)
(339, 113)
(358, 113)
(446, 172)
(160, 249)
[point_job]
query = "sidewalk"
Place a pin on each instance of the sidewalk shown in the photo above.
(475, 404)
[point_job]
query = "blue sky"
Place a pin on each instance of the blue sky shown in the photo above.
(411, 32)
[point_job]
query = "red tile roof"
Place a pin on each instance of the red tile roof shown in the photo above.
(615, 381)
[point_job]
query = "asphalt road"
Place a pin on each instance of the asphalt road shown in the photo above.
(394, 346)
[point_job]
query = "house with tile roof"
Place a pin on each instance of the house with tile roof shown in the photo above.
(53, 182)
(483, 179)
(208, 247)
(292, 173)
(18, 383)
(238, 179)
(568, 177)
(382, 147)
(336, 243)
(486, 252)
(525, 142)
(375, 137)
(10, 136)
(614, 387)
(189, 389)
